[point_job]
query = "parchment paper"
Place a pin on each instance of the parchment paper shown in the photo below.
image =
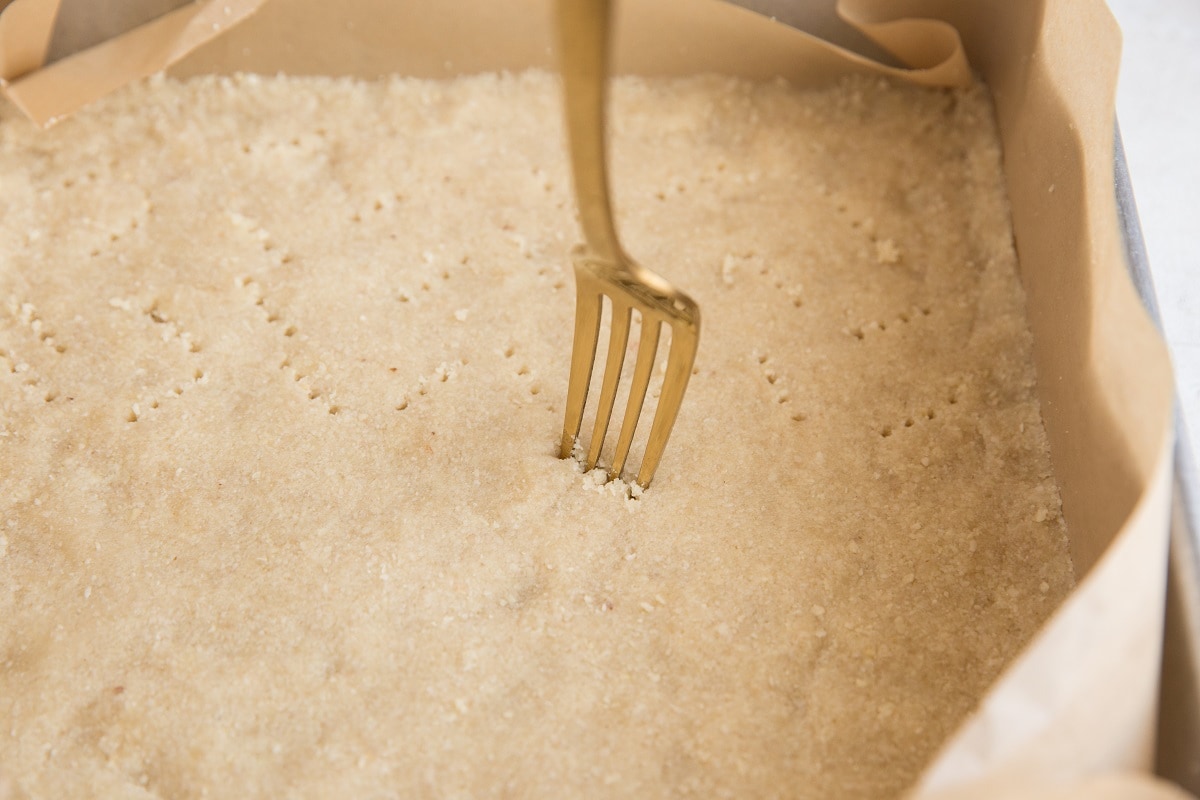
(47, 93)
(1080, 700)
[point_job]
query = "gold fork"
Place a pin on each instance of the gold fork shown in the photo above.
(603, 269)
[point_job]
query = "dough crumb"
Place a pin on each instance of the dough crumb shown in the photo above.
(886, 252)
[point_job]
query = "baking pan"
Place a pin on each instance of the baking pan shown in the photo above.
(1177, 755)
(1111, 413)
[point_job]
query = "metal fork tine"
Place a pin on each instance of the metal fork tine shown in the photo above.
(682, 356)
(643, 368)
(602, 267)
(587, 332)
(618, 338)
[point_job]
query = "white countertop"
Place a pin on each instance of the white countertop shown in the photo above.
(1158, 105)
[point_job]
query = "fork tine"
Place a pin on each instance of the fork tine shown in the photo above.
(583, 352)
(603, 267)
(682, 355)
(618, 338)
(644, 367)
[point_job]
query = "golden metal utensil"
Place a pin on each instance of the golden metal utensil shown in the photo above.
(602, 269)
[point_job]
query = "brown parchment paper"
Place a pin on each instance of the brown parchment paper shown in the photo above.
(47, 93)
(1080, 700)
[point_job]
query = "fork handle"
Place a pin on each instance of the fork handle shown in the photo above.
(584, 28)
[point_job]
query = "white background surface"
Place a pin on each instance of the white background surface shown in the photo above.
(1158, 105)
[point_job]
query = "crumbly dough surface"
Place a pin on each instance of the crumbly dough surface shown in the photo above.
(282, 373)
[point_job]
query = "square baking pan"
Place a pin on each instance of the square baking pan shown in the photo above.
(1178, 729)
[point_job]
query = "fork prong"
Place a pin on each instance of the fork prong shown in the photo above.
(681, 357)
(618, 338)
(643, 368)
(583, 352)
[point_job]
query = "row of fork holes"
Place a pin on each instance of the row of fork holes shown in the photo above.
(617, 418)
(928, 415)
(903, 318)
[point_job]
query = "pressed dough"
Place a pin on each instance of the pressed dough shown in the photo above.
(282, 373)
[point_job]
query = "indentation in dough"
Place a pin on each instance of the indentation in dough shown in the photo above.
(273, 316)
(902, 318)
(172, 329)
(916, 419)
(444, 372)
(28, 317)
(772, 376)
(171, 332)
(25, 379)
